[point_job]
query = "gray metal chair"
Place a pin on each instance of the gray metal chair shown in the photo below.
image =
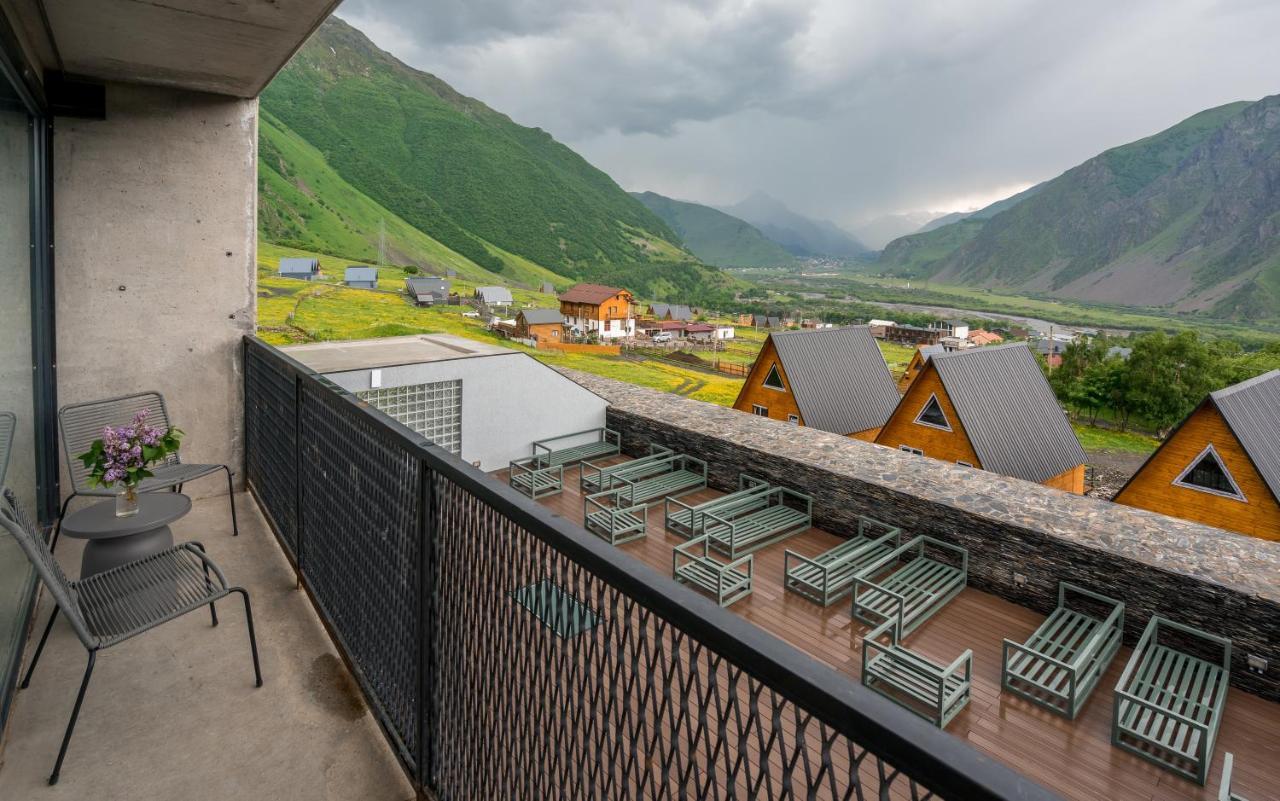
(108, 608)
(82, 423)
(8, 422)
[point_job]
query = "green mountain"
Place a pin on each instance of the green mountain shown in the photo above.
(799, 235)
(713, 236)
(1186, 219)
(503, 197)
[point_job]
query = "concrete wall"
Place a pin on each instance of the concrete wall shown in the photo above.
(155, 258)
(1022, 538)
(509, 400)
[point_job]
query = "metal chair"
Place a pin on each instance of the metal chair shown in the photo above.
(82, 423)
(108, 608)
(8, 422)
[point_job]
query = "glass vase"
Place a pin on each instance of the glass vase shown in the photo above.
(127, 502)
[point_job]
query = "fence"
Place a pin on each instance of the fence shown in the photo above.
(506, 653)
(578, 347)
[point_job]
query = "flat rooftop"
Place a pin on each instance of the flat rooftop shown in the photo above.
(364, 354)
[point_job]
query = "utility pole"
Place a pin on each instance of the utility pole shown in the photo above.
(382, 242)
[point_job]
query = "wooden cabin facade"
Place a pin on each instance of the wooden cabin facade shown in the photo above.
(916, 366)
(607, 312)
(1220, 466)
(833, 379)
(991, 409)
(546, 326)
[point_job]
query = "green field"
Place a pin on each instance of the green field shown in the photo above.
(1094, 439)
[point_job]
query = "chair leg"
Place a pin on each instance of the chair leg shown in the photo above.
(57, 528)
(75, 713)
(26, 680)
(253, 641)
(231, 495)
(208, 584)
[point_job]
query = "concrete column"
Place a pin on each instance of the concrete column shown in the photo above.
(155, 241)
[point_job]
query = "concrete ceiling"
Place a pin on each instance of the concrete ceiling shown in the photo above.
(230, 47)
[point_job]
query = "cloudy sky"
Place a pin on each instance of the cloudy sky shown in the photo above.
(844, 109)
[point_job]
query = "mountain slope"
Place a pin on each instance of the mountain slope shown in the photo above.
(797, 234)
(456, 170)
(713, 236)
(917, 253)
(1188, 219)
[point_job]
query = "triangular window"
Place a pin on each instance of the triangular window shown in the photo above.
(932, 415)
(1207, 473)
(774, 378)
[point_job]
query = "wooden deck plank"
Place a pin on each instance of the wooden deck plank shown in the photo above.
(1073, 758)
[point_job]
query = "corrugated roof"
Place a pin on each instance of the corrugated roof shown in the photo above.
(425, 284)
(589, 293)
(838, 377)
(1012, 418)
(676, 310)
(295, 265)
(1252, 409)
(358, 273)
(494, 294)
(929, 350)
(542, 316)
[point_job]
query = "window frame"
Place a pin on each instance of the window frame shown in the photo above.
(909, 449)
(794, 419)
(1210, 451)
(759, 411)
(773, 370)
(933, 400)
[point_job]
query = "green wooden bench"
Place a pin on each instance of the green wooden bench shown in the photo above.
(606, 442)
(1224, 789)
(1061, 662)
(911, 592)
(534, 480)
(762, 520)
(1169, 702)
(935, 692)
(595, 477)
(604, 514)
(828, 576)
(685, 520)
(672, 475)
(692, 563)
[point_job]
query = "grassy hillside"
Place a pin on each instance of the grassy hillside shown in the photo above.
(458, 171)
(713, 236)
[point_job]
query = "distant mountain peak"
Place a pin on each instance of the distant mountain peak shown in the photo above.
(799, 235)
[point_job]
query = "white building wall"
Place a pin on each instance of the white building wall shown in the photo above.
(509, 400)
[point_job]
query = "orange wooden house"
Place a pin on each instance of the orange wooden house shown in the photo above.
(916, 365)
(833, 379)
(1221, 465)
(992, 409)
(605, 311)
(543, 325)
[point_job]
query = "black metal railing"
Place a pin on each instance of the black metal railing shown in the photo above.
(509, 654)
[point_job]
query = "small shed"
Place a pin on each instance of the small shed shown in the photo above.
(543, 325)
(427, 290)
(494, 295)
(361, 277)
(547, 288)
(301, 269)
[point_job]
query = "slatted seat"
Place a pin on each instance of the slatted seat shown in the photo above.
(603, 515)
(550, 452)
(596, 478)
(686, 520)
(761, 521)
(1169, 702)
(829, 576)
(667, 477)
(935, 692)
(912, 592)
(534, 480)
(1061, 662)
(692, 563)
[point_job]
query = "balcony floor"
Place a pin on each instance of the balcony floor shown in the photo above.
(173, 713)
(1075, 759)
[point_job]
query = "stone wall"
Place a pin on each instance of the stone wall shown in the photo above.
(1022, 538)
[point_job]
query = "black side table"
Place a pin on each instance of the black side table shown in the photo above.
(114, 541)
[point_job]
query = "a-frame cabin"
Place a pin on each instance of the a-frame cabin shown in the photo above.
(916, 366)
(992, 409)
(1221, 465)
(833, 379)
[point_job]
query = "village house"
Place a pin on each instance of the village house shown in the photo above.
(605, 311)
(541, 325)
(426, 290)
(547, 288)
(951, 328)
(1052, 350)
(301, 269)
(670, 311)
(992, 409)
(916, 365)
(1221, 465)
(496, 296)
(904, 334)
(981, 338)
(359, 276)
(833, 379)
(879, 327)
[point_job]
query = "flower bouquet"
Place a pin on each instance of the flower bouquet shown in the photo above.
(121, 458)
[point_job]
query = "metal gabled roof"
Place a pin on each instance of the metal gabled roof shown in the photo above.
(838, 377)
(1252, 410)
(299, 265)
(542, 316)
(1009, 411)
(358, 273)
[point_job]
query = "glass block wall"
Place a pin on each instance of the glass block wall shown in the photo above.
(433, 410)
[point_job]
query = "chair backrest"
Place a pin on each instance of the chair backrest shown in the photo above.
(82, 423)
(15, 520)
(8, 422)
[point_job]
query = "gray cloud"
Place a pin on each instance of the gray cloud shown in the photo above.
(841, 108)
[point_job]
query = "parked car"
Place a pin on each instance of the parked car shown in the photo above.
(662, 337)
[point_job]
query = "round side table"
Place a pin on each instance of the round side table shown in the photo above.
(113, 541)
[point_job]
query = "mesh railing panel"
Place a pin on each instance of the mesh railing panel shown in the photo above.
(361, 502)
(271, 458)
(610, 703)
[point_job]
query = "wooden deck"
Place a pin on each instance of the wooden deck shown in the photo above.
(1073, 758)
